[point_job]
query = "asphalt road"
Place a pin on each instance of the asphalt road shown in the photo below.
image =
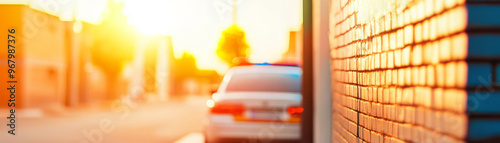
(173, 121)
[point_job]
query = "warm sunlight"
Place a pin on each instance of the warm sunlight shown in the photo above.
(267, 25)
(217, 71)
(145, 15)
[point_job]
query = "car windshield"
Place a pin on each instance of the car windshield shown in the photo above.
(266, 82)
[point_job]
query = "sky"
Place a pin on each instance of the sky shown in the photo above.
(195, 25)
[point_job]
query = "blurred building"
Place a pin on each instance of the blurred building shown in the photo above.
(156, 75)
(43, 43)
(293, 43)
(53, 61)
(151, 75)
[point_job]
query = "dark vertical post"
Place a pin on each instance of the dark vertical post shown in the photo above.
(307, 75)
(68, 44)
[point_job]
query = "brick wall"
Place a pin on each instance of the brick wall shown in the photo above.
(415, 70)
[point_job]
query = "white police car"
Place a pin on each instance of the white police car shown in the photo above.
(258, 103)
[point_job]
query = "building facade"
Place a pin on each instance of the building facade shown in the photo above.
(415, 70)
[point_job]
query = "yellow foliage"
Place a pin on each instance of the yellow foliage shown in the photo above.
(232, 44)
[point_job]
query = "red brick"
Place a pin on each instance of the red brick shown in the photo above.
(438, 98)
(456, 100)
(438, 118)
(408, 37)
(392, 40)
(390, 60)
(410, 115)
(407, 70)
(388, 77)
(461, 74)
(405, 56)
(425, 30)
(400, 39)
(394, 77)
(433, 28)
(429, 118)
(397, 58)
(430, 76)
(400, 113)
(408, 76)
(417, 55)
(419, 116)
(455, 125)
(417, 134)
(401, 77)
(395, 129)
(415, 76)
(385, 42)
(444, 49)
(440, 75)
(450, 76)
(438, 6)
(407, 96)
(422, 72)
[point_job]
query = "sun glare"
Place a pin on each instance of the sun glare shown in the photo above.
(153, 17)
(196, 26)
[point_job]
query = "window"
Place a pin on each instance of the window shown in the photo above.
(264, 82)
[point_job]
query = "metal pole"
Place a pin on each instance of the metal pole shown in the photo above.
(307, 77)
(235, 11)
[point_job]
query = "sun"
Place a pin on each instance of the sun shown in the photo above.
(154, 17)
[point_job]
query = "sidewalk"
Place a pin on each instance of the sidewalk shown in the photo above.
(158, 122)
(195, 137)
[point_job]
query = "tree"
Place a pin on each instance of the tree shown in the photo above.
(232, 45)
(185, 66)
(182, 69)
(114, 45)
